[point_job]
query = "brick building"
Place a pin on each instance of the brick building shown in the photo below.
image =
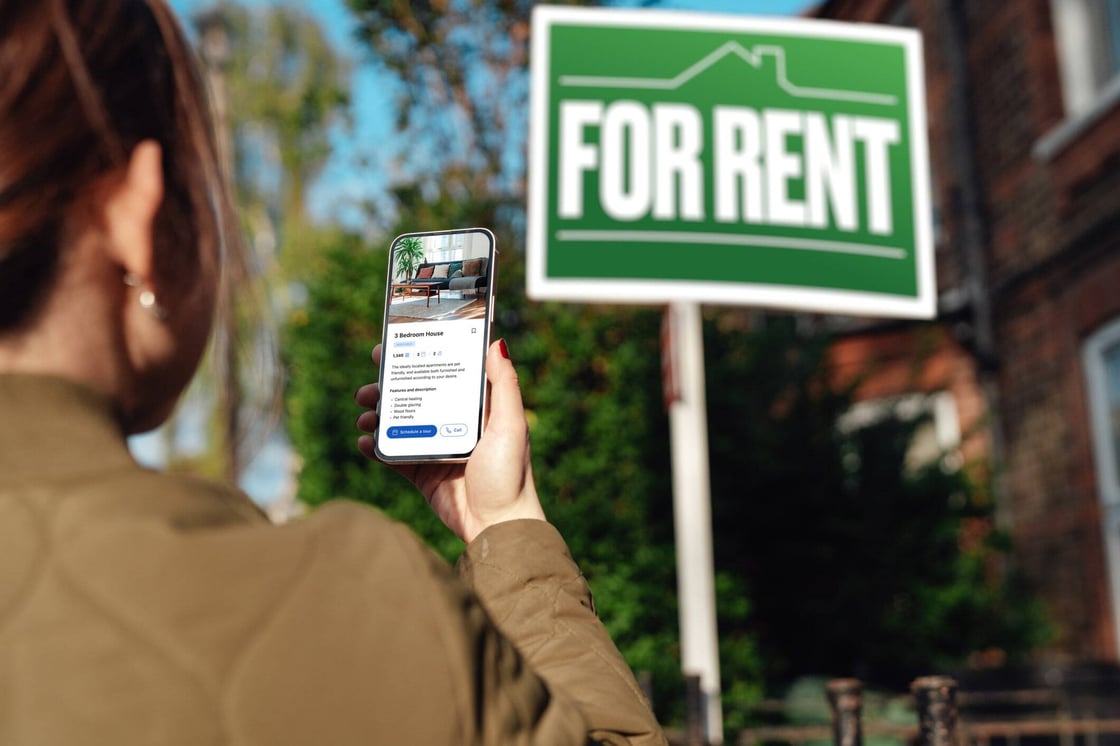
(1024, 116)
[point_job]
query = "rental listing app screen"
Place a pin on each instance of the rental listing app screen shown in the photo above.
(432, 396)
(434, 352)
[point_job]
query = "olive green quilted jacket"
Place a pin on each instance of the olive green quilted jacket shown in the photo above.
(138, 608)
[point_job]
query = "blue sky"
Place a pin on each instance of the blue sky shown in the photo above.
(344, 182)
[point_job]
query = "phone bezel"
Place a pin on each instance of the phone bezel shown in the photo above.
(486, 323)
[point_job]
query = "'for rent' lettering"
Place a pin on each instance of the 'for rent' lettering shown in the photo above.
(649, 162)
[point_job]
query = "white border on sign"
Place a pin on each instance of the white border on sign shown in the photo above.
(541, 287)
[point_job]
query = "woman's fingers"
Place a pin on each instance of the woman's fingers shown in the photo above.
(367, 421)
(507, 413)
(497, 482)
(365, 446)
(368, 396)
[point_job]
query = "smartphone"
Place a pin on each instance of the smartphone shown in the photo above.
(439, 302)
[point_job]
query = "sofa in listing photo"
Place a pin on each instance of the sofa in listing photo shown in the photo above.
(460, 277)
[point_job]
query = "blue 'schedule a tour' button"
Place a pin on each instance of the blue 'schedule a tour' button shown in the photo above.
(412, 431)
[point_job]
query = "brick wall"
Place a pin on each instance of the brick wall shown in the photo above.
(1052, 253)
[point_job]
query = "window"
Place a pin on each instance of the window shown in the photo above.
(936, 438)
(448, 248)
(1088, 36)
(1109, 25)
(1101, 358)
(1087, 33)
(1110, 364)
(1102, 373)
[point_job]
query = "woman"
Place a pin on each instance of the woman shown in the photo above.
(146, 608)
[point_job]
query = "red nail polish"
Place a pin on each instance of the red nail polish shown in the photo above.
(503, 348)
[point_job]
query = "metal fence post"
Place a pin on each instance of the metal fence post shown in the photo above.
(845, 698)
(935, 698)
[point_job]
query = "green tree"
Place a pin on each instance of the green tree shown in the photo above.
(279, 89)
(289, 90)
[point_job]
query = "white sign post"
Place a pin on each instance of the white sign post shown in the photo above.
(692, 511)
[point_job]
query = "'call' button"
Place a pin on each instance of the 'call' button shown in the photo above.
(453, 431)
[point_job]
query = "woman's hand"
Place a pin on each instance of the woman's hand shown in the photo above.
(496, 483)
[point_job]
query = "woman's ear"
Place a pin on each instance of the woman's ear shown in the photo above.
(130, 208)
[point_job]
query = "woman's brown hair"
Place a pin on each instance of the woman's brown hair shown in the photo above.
(82, 82)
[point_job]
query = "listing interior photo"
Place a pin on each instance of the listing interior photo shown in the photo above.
(439, 277)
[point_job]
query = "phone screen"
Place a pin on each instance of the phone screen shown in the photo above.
(438, 302)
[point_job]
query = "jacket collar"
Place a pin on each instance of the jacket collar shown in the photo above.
(52, 428)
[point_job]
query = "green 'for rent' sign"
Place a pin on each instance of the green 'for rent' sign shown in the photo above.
(728, 159)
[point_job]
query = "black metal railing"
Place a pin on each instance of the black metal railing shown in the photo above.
(937, 705)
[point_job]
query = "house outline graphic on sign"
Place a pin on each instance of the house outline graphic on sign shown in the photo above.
(754, 58)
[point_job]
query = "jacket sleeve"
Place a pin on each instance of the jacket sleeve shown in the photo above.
(537, 597)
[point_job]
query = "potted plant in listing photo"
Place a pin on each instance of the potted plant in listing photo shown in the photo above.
(410, 255)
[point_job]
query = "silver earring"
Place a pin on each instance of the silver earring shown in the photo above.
(147, 297)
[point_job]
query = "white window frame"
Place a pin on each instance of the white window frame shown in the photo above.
(1086, 92)
(940, 406)
(1104, 453)
(1108, 475)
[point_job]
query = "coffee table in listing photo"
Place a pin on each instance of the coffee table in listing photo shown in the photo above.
(427, 290)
